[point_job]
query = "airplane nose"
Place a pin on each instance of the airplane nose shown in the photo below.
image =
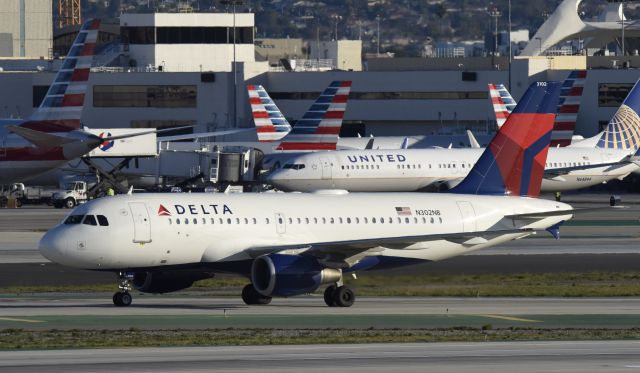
(53, 245)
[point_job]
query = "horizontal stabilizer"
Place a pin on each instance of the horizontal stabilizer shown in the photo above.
(40, 139)
(545, 214)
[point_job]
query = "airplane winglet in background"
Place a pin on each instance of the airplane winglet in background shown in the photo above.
(270, 124)
(319, 127)
(513, 163)
(61, 108)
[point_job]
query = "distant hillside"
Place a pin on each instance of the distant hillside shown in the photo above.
(405, 25)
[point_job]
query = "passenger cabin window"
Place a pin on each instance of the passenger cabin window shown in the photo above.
(102, 220)
(89, 220)
(73, 219)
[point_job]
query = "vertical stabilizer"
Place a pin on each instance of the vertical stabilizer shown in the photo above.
(513, 163)
(568, 108)
(319, 127)
(623, 131)
(61, 109)
(503, 103)
(270, 124)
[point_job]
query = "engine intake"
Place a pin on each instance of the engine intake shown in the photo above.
(166, 281)
(288, 275)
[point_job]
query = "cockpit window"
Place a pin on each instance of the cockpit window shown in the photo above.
(287, 166)
(89, 220)
(73, 219)
(295, 166)
(102, 220)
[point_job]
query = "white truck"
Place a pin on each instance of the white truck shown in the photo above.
(29, 194)
(73, 194)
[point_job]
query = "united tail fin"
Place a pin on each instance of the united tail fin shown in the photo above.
(319, 127)
(61, 108)
(513, 163)
(270, 124)
(623, 130)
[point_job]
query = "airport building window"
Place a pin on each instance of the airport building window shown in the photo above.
(186, 35)
(457, 95)
(153, 96)
(612, 94)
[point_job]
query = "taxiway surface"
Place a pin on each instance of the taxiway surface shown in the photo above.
(481, 357)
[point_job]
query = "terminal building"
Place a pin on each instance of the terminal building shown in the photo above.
(171, 70)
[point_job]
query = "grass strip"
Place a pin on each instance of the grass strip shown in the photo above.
(18, 339)
(555, 284)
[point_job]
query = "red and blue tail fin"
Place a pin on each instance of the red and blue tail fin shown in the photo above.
(270, 124)
(319, 127)
(623, 131)
(513, 163)
(61, 108)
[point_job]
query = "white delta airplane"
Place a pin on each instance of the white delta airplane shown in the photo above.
(611, 154)
(293, 243)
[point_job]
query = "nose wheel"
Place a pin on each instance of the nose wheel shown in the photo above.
(339, 296)
(122, 298)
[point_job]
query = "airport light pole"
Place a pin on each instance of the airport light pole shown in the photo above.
(495, 13)
(378, 21)
(337, 18)
(622, 19)
(233, 4)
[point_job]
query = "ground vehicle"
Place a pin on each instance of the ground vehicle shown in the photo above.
(29, 194)
(74, 193)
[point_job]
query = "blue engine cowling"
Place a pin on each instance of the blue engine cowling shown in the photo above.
(287, 275)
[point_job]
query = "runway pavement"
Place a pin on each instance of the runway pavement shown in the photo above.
(93, 311)
(489, 357)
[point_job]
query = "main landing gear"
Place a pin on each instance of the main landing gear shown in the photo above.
(251, 296)
(339, 296)
(122, 298)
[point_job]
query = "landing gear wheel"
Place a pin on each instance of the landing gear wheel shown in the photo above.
(69, 203)
(329, 298)
(251, 296)
(122, 299)
(344, 297)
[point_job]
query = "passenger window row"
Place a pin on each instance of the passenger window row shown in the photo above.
(361, 167)
(306, 221)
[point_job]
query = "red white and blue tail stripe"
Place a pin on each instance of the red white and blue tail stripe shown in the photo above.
(270, 124)
(513, 163)
(568, 108)
(61, 109)
(319, 127)
(503, 103)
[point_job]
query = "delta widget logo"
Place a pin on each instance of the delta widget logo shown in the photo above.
(162, 211)
(106, 145)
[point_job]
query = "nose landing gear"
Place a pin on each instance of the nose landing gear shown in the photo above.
(122, 298)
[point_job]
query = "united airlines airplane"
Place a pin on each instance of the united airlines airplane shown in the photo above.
(607, 156)
(291, 244)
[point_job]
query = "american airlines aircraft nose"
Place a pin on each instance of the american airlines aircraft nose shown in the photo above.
(53, 245)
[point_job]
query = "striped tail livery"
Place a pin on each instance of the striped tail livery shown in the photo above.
(61, 109)
(567, 110)
(271, 125)
(513, 163)
(319, 127)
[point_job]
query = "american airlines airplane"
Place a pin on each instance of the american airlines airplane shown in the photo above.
(291, 244)
(52, 136)
(607, 156)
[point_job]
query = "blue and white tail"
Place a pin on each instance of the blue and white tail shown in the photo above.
(61, 109)
(270, 124)
(623, 130)
(319, 128)
(513, 162)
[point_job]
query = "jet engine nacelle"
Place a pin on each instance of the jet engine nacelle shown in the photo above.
(166, 281)
(288, 275)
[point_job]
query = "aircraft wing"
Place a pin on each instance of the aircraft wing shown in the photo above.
(40, 139)
(344, 253)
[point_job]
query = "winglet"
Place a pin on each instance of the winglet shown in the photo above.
(513, 163)
(319, 127)
(472, 140)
